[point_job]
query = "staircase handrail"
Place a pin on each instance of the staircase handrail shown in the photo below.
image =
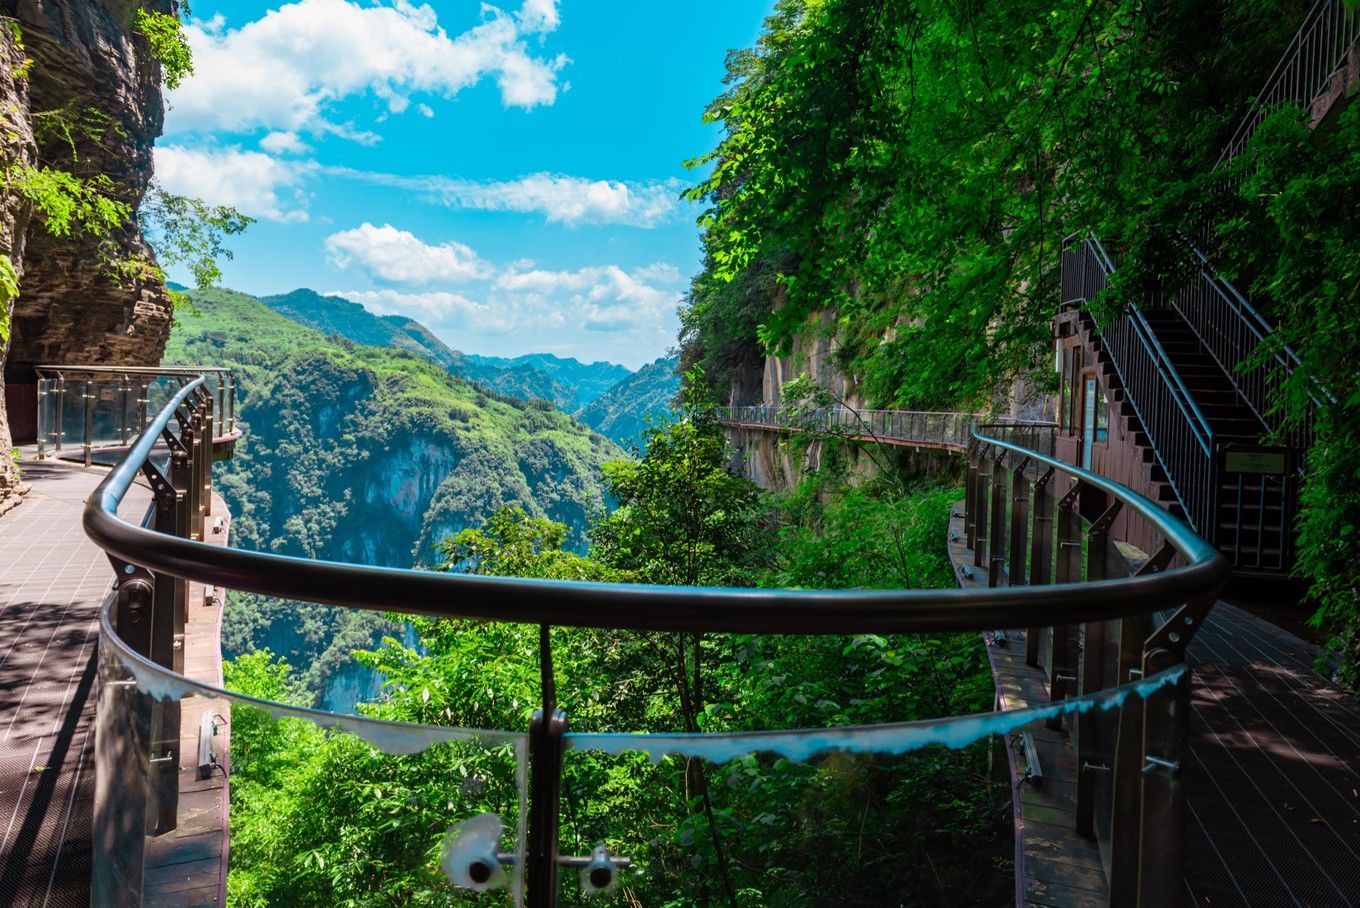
(1304, 68)
(1204, 432)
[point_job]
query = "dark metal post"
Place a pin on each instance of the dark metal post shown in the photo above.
(1166, 742)
(1019, 522)
(980, 522)
(89, 423)
(546, 736)
(996, 566)
(231, 404)
(1092, 674)
(124, 387)
(1041, 551)
(1128, 753)
(57, 414)
(1062, 677)
(142, 401)
(971, 503)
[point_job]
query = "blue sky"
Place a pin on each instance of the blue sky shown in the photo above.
(506, 175)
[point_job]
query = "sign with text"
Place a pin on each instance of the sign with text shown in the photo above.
(1260, 462)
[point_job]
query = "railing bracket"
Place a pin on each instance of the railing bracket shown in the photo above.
(1154, 763)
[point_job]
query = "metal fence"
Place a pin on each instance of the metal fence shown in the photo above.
(950, 430)
(1317, 51)
(84, 408)
(1039, 578)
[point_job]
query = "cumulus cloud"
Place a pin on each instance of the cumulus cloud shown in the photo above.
(285, 71)
(438, 307)
(399, 257)
(598, 298)
(517, 297)
(559, 198)
(255, 183)
(284, 143)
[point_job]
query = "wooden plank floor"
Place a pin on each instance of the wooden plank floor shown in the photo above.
(52, 580)
(1273, 779)
(186, 867)
(1054, 865)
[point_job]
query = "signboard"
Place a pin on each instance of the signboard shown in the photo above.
(106, 394)
(1260, 462)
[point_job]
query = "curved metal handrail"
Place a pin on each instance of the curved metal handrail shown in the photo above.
(1190, 588)
(648, 607)
(1204, 433)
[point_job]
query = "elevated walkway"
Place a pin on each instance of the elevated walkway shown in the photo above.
(1272, 783)
(52, 581)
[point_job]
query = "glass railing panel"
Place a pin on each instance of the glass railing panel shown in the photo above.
(831, 816)
(319, 809)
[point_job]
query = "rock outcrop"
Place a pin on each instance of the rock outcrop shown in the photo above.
(77, 61)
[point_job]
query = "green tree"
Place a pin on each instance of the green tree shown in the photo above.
(682, 516)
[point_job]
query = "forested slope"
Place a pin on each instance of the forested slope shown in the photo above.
(371, 455)
(901, 177)
(623, 412)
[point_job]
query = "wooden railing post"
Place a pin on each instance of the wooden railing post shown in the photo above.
(996, 564)
(1019, 576)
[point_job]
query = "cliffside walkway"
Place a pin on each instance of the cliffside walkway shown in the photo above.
(52, 581)
(1273, 786)
(1273, 780)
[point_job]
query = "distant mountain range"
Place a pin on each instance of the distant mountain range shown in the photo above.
(605, 396)
(623, 413)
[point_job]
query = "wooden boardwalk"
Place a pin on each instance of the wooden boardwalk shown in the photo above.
(1273, 778)
(52, 580)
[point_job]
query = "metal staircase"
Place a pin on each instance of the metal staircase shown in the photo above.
(1197, 377)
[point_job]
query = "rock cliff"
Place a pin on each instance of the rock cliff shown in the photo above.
(76, 60)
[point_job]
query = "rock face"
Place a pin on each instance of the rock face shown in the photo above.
(88, 64)
(16, 145)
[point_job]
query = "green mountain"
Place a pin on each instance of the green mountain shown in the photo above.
(369, 454)
(622, 413)
(589, 380)
(567, 383)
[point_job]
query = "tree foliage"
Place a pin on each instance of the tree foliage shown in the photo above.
(756, 831)
(909, 168)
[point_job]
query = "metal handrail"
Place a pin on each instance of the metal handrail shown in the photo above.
(676, 608)
(127, 389)
(1204, 433)
(1160, 398)
(1304, 69)
(948, 429)
(149, 561)
(78, 369)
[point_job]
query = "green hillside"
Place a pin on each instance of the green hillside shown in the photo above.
(566, 383)
(624, 411)
(369, 454)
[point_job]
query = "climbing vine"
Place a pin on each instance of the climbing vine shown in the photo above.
(901, 173)
(165, 33)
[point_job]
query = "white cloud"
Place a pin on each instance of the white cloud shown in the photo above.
(253, 182)
(284, 143)
(438, 307)
(595, 298)
(599, 298)
(286, 70)
(559, 198)
(397, 256)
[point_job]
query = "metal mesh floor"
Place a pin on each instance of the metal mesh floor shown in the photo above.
(51, 582)
(1274, 775)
